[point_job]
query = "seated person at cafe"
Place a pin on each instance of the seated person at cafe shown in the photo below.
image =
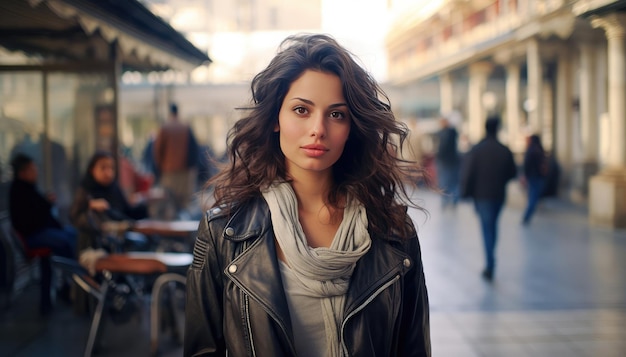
(31, 212)
(98, 199)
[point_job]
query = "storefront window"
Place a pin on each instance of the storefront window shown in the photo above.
(80, 118)
(74, 100)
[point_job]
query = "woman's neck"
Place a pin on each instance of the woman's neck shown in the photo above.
(312, 195)
(318, 218)
(311, 190)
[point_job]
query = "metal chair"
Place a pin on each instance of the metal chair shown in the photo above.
(31, 256)
(98, 290)
(163, 265)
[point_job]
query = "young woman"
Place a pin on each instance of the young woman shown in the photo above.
(99, 198)
(308, 250)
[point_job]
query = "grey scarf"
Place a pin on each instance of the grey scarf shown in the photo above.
(323, 272)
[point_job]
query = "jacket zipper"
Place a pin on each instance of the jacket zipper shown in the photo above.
(269, 311)
(248, 326)
(246, 304)
(361, 307)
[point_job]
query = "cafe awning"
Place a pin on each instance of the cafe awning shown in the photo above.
(98, 30)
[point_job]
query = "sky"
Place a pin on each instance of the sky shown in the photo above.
(359, 25)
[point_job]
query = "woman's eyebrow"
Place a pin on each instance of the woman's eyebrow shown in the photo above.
(338, 105)
(310, 102)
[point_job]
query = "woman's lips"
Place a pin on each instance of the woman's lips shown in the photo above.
(314, 150)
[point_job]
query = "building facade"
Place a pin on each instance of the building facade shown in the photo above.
(551, 67)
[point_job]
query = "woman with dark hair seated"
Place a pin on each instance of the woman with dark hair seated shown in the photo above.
(100, 199)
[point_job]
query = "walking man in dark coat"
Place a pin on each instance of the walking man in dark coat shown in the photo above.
(486, 170)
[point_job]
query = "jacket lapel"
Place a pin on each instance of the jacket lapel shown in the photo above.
(381, 263)
(256, 269)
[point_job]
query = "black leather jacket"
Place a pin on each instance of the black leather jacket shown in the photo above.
(236, 304)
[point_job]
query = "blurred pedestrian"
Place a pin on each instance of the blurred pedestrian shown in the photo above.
(31, 211)
(296, 252)
(536, 167)
(147, 158)
(448, 163)
(487, 169)
(176, 158)
(99, 199)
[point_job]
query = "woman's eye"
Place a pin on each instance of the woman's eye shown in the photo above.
(337, 115)
(300, 110)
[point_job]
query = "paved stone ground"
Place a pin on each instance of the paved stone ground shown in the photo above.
(559, 290)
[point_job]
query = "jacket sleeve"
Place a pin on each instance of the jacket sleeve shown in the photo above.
(414, 339)
(512, 169)
(204, 309)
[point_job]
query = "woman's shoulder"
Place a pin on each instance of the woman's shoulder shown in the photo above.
(409, 234)
(234, 222)
(227, 208)
(235, 211)
(404, 233)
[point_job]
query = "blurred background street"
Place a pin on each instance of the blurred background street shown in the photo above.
(81, 76)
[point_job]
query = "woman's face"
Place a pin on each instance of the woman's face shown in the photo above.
(104, 171)
(313, 123)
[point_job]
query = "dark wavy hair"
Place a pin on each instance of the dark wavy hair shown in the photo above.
(369, 168)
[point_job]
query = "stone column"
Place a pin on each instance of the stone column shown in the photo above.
(446, 93)
(479, 74)
(601, 94)
(535, 86)
(513, 106)
(607, 190)
(564, 102)
(588, 112)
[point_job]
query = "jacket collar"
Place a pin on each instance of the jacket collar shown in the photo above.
(248, 220)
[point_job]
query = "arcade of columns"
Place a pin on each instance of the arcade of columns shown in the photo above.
(597, 147)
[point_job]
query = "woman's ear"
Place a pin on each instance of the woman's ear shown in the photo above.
(276, 127)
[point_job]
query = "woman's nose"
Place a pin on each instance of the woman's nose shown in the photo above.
(318, 128)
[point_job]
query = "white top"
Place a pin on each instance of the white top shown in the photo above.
(307, 318)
